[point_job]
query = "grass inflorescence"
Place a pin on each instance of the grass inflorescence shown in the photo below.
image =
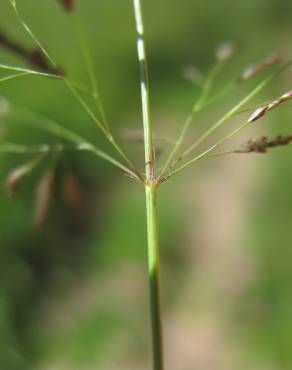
(40, 63)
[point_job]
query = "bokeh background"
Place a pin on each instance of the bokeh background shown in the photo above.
(73, 292)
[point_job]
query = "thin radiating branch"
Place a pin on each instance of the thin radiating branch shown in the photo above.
(261, 145)
(222, 93)
(45, 124)
(78, 96)
(218, 154)
(14, 148)
(31, 34)
(35, 58)
(206, 152)
(91, 72)
(197, 106)
(223, 53)
(247, 74)
(230, 113)
(13, 76)
(28, 71)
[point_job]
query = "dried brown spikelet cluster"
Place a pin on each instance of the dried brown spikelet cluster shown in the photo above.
(262, 144)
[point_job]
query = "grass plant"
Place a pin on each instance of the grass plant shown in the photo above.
(154, 174)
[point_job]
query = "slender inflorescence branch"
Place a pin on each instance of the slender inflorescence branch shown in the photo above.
(197, 106)
(223, 119)
(25, 71)
(168, 166)
(223, 53)
(248, 73)
(259, 113)
(14, 148)
(91, 74)
(45, 124)
(206, 152)
(82, 102)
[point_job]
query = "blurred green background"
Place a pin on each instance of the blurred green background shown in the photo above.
(74, 294)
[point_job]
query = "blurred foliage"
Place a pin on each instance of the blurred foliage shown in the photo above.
(42, 272)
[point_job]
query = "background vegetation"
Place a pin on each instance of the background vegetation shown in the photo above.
(74, 294)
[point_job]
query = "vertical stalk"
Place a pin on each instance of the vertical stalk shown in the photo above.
(149, 152)
(150, 190)
(153, 273)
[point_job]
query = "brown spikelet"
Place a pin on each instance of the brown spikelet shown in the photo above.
(255, 69)
(43, 200)
(14, 179)
(262, 144)
(260, 112)
(68, 4)
(285, 97)
(257, 114)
